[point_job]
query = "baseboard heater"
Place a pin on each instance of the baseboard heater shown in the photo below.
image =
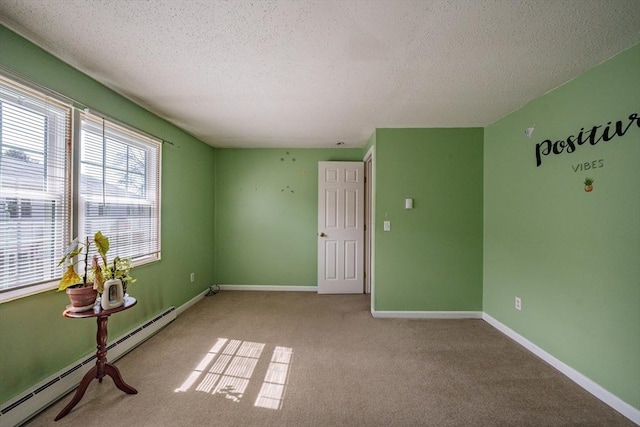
(23, 407)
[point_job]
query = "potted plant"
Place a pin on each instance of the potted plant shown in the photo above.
(588, 185)
(80, 290)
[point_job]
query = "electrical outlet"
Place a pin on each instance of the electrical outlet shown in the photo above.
(518, 303)
(386, 226)
(193, 277)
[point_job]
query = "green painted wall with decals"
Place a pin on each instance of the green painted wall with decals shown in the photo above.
(267, 214)
(572, 256)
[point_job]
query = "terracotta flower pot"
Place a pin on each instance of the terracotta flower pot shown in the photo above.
(82, 297)
(588, 188)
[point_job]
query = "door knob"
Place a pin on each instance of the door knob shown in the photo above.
(322, 235)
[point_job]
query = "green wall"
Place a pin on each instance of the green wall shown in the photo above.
(35, 340)
(431, 260)
(572, 256)
(267, 214)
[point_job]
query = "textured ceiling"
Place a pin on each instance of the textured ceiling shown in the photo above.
(311, 73)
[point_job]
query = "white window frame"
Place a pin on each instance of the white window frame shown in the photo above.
(152, 180)
(57, 172)
(75, 200)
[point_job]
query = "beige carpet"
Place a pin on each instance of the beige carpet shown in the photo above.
(301, 359)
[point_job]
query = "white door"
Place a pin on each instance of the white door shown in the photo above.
(340, 227)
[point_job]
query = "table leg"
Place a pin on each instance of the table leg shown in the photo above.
(101, 354)
(114, 373)
(86, 380)
(101, 369)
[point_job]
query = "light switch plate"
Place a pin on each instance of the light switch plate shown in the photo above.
(387, 226)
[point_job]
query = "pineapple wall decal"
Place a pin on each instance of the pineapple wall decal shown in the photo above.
(588, 185)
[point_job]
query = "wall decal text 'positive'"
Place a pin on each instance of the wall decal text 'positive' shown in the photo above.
(572, 142)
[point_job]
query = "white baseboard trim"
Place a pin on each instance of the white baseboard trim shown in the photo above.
(589, 385)
(271, 288)
(426, 314)
(191, 302)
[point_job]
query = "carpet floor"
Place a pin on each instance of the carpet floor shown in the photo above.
(301, 359)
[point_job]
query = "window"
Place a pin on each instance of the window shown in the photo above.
(35, 140)
(114, 172)
(120, 188)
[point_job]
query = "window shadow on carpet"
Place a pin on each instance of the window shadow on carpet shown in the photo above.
(228, 368)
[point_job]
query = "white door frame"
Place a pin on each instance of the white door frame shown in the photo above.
(370, 221)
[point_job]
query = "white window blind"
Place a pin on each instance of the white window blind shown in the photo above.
(120, 188)
(35, 141)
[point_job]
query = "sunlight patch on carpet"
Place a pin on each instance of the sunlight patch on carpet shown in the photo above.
(272, 392)
(229, 365)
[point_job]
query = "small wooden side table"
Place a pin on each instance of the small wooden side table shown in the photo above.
(102, 368)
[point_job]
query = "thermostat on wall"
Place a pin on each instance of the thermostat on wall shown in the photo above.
(408, 203)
